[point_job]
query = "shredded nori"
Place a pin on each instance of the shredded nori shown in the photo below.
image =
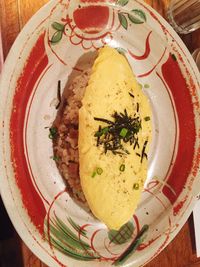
(59, 94)
(111, 139)
(131, 95)
(136, 144)
(144, 155)
(138, 107)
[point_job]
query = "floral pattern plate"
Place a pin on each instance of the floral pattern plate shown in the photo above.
(56, 228)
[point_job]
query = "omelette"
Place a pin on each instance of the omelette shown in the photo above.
(115, 131)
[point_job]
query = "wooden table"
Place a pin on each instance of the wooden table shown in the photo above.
(181, 251)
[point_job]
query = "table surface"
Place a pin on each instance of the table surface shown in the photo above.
(181, 251)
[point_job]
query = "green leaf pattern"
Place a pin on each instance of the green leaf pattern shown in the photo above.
(121, 50)
(136, 16)
(133, 246)
(61, 236)
(67, 242)
(122, 235)
(123, 20)
(122, 2)
(58, 26)
(77, 227)
(58, 34)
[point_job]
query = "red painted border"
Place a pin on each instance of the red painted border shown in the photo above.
(35, 65)
(187, 133)
(146, 52)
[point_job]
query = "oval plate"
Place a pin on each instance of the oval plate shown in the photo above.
(54, 227)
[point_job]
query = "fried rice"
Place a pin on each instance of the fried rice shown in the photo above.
(65, 143)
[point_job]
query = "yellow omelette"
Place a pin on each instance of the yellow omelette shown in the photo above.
(114, 136)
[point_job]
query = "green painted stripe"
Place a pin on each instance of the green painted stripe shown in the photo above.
(74, 254)
(132, 248)
(77, 227)
(62, 226)
(66, 239)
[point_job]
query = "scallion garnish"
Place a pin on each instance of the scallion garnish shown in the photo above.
(53, 132)
(56, 158)
(136, 186)
(105, 130)
(123, 132)
(98, 134)
(147, 118)
(101, 131)
(122, 168)
(94, 174)
(99, 171)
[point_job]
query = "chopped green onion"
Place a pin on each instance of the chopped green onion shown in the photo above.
(120, 50)
(136, 186)
(123, 132)
(94, 174)
(147, 118)
(105, 130)
(99, 171)
(56, 158)
(98, 134)
(53, 132)
(122, 168)
(101, 132)
(146, 86)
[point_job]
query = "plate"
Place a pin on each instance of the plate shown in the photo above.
(58, 230)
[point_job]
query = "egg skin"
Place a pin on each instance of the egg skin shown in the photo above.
(112, 195)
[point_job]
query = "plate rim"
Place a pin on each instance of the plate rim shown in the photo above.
(28, 240)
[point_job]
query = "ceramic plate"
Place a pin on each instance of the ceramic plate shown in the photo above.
(56, 228)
